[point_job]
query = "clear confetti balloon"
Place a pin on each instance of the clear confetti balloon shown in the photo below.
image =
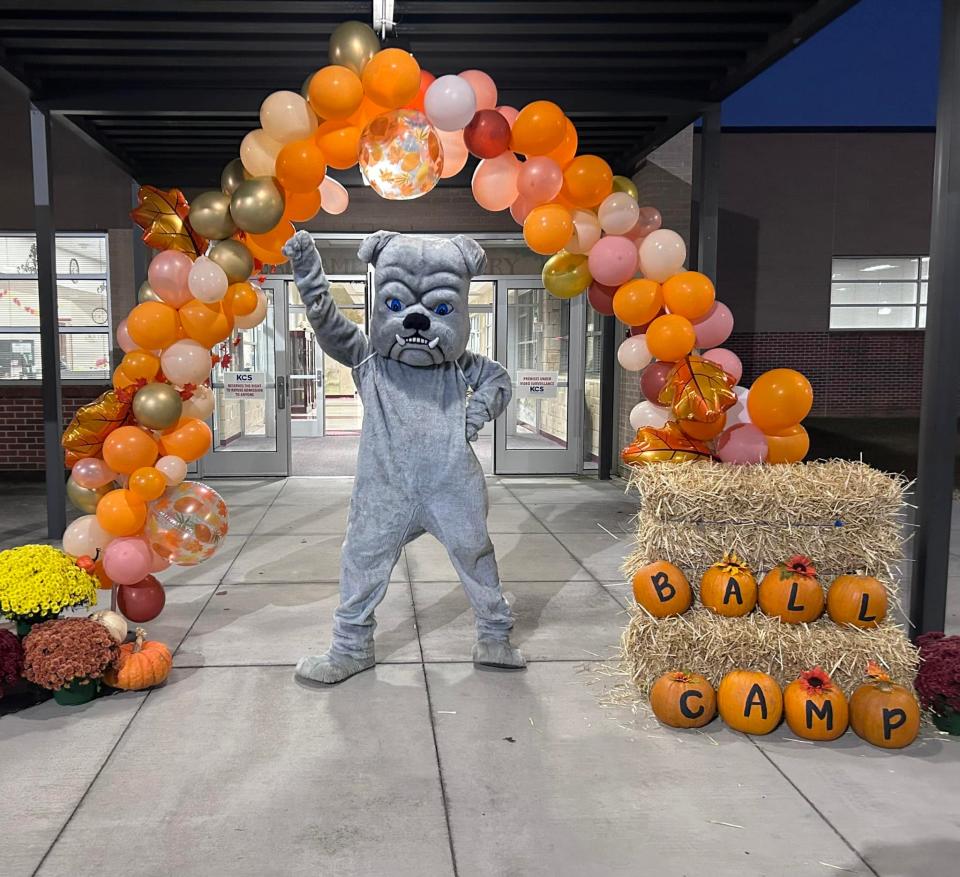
(401, 155)
(187, 524)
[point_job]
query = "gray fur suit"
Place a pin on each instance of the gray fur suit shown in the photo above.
(416, 472)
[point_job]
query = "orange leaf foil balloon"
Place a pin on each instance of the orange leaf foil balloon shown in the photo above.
(92, 423)
(163, 218)
(698, 390)
(665, 445)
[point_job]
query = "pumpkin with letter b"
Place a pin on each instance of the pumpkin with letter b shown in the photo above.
(791, 592)
(883, 713)
(750, 701)
(814, 707)
(141, 665)
(857, 600)
(662, 589)
(728, 587)
(683, 700)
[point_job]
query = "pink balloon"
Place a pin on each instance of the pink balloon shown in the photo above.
(509, 113)
(334, 198)
(727, 360)
(127, 560)
(654, 379)
(612, 260)
(495, 182)
(649, 220)
(454, 153)
(539, 180)
(92, 473)
(715, 328)
(601, 298)
(158, 563)
(168, 274)
(124, 340)
(520, 209)
(742, 444)
(483, 87)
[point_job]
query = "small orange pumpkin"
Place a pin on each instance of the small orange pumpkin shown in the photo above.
(141, 665)
(750, 701)
(883, 713)
(791, 592)
(662, 589)
(729, 588)
(815, 708)
(857, 600)
(683, 700)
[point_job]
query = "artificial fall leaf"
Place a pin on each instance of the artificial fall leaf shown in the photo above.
(698, 389)
(92, 423)
(665, 445)
(163, 218)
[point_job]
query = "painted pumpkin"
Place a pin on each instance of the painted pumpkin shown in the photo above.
(857, 600)
(814, 707)
(141, 664)
(662, 589)
(791, 592)
(750, 701)
(683, 700)
(883, 713)
(729, 588)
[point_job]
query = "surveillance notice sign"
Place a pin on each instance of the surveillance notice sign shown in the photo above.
(537, 384)
(244, 385)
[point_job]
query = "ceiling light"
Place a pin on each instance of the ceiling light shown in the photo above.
(877, 267)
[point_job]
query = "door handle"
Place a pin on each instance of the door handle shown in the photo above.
(281, 392)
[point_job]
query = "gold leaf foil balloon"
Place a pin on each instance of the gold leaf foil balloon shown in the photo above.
(566, 275)
(698, 389)
(352, 45)
(163, 217)
(400, 155)
(257, 205)
(93, 423)
(233, 175)
(157, 406)
(210, 215)
(665, 445)
(234, 258)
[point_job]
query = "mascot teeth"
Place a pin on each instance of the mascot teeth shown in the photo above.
(417, 339)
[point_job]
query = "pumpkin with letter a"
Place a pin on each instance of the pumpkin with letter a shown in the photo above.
(857, 600)
(750, 701)
(883, 713)
(141, 664)
(683, 700)
(791, 592)
(814, 707)
(662, 589)
(729, 588)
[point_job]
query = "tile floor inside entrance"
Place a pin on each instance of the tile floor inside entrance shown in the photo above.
(426, 766)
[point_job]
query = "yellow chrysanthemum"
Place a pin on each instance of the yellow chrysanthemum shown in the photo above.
(39, 580)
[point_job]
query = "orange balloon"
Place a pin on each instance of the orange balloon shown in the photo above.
(301, 206)
(335, 92)
(339, 141)
(153, 325)
(547, 228)
(120, 378)
(190, 439)
(368, 110)
(788, 446)
(121, 513)
(670, 337)
(587, 180)
(140, 365)
(147, 483)
(690, 294)
(268, 247)
(103, 580)
(207, 323)
(391, 78)
(703, 431)
(128, 448)
(779, 399)
(241, 299)
(538, 129)
(426, 80)
(637, 302)
(565, 152)
(301, 166)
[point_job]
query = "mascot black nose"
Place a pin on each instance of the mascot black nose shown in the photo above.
(417, 322)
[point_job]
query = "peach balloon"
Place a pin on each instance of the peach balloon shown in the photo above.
(168, 275)
(509, 113)
(539, 180)
(618, 213)
(286, 116)
(121, 513)
(258, 153)
(128, 448)
(173, 469)
(200, 405)
(483, 87)
(586, 231)
(257, 316)
(494, 182)
(334, 197)
(455, 153)
(186, 362)
(190, 439)
(520, 209)
(670, 337)
(661, 254)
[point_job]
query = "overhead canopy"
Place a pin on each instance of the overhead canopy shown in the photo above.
(170, 88)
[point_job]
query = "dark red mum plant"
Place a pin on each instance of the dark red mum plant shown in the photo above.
(938, 681)
(11, 659)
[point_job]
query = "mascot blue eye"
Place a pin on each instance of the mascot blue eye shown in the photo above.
(394, 304)
(442, 309)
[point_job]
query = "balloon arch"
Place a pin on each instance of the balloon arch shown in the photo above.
(407, 129)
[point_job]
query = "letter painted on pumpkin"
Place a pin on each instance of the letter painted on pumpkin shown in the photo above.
(661, 584)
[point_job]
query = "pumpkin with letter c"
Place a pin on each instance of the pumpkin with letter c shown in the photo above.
(141, 664)
(814, 707)
(683, 700)
(750, 701)
(791, 592)
(662, 589)
(857, 600)
(883, 713)
(728, 587)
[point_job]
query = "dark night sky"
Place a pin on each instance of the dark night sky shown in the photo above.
(875, 65)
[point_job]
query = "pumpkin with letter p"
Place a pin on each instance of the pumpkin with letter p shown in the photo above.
(791, 592)
(662, 589)
(728, 587)
(814, 707)
(883, 713)
(683, 700)
(857, 600)
(750, 701)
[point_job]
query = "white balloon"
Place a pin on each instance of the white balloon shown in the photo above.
(450, 103)
(173, 469)
(662, 253)
(586, 232)
(85, 536)
(256, 316)
(618, 213)
(207, 281)
(633, 353)
(285, 116)
(648, 414)
(186, 362)
(200, 404)
(738, 413)
(258, 153)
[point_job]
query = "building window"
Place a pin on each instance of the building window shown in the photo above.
(879, 292)
(83, 302)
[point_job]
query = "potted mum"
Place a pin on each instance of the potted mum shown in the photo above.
(11, 660)
(37, 582)
(938, 680)
(68, 656)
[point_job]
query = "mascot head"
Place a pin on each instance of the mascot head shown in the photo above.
(419, 312)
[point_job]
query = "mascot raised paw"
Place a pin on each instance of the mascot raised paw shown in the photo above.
(413, 374)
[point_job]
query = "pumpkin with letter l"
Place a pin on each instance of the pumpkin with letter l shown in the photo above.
(814, 707)
(883, 713)
(141, 664)
(662, 589)
(683, 700)
(728, 587)
(791, 592)
(750, 701)
(857, 600)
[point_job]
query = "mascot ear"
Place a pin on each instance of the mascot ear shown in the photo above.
(373, 244)
(473, 254)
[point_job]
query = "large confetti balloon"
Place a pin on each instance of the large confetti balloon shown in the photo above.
(400, 155)
(187, 524)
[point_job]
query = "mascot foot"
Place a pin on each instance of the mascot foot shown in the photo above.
(498, 654)
(331, 668)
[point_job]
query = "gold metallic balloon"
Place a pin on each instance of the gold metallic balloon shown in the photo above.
(305, 88)
(210, 215)
(625, 184)
(235, 259)
(86, 498)
(146, 293)
(257, 205)
(233, 175)
(157, 406)
(566, 274)
(352, 45)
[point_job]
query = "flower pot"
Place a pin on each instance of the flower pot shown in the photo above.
(76, 692)
(948, 720)
(25, 625)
